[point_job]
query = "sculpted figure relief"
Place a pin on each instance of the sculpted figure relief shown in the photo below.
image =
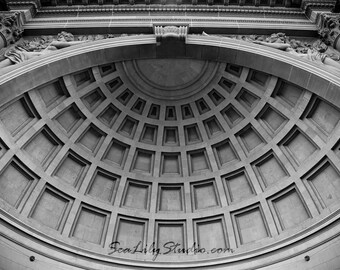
(30, 49)
(10, 28)
(314, 52)
(329, 29)
(317, 51)
(44, 45)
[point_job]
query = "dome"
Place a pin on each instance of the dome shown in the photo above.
(224, 155)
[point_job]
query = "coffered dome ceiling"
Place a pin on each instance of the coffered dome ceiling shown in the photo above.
(233, 159)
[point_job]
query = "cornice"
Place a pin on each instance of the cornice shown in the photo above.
(143, 24)
(165, 19)
(221, 17)
(170, 8)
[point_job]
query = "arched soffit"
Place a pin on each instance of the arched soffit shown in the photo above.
(28, 76)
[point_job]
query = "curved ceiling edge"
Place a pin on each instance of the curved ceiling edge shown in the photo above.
(275, 253)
